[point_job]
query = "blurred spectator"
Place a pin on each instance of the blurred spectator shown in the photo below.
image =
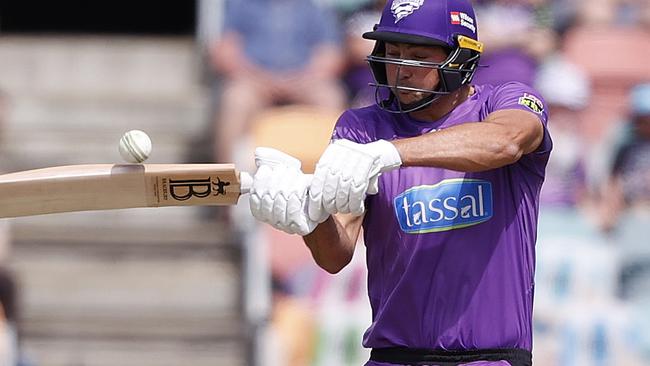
(345, 6)
(517, 35)
(358, 75)
(7, 288)
(616, 12)
(626, 199)
(626, 38)
(10, 353)
(292, 327)
(273, 51)
(563, 14)
(566, 90)
(8, 319)
(629, 182)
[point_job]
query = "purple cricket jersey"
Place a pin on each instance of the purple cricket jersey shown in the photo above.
(451, 255)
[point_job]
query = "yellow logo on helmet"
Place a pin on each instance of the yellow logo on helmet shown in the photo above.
(472, 44)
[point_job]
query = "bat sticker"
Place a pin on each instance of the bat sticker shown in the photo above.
(220, 187)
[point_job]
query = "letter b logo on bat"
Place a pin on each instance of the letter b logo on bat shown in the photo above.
(182, 190)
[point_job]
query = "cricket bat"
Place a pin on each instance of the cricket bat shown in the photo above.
(115, 186)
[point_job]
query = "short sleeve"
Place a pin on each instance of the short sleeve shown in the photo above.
(235, 17)
(515, 95)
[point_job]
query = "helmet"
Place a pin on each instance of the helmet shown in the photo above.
(450, 24)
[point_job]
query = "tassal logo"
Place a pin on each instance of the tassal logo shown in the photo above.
(448, 205)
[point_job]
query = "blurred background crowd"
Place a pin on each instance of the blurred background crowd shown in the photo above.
(278, 73)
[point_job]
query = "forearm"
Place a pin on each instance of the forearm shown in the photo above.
(612, 203)
(331, 245)
(470, 147)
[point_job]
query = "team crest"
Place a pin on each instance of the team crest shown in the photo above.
(404, 8)
(531, 102)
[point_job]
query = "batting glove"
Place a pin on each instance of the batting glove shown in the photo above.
(346, 173)
(279, 193)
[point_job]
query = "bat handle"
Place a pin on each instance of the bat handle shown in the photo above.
(246, 182)
(265, 156)
(270, 157)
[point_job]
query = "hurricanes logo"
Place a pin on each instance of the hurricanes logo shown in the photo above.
(403, 8)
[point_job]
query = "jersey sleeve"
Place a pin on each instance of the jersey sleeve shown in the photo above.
(515, 95)
(520, 96)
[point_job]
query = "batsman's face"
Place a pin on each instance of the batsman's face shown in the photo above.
(413, 76)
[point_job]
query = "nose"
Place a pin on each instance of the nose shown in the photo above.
(404, 72)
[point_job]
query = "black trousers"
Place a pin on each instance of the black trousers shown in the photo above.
(419, 357)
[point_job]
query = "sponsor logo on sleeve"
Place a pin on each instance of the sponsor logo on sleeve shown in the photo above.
(404, 8)
(448, 205)
(462, 19)
(531, 102)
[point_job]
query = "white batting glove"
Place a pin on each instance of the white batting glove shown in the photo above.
(279, 193)
(346, 173)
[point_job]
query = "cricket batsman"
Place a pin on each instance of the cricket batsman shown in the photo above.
(444, 178)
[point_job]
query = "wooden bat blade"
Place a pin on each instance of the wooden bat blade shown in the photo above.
(108, 186)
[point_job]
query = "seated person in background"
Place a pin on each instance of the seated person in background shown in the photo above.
(357, 76)
(615, 13)
(9, 347)
(280, 51)
(515, 38)
(628, 186)
(626, 200)
(566, 90)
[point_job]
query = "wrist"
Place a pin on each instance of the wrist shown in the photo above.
(388, 154)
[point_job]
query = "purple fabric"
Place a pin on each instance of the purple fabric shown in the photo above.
(450, 255)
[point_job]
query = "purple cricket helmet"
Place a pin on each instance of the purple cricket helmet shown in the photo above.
(450, 24)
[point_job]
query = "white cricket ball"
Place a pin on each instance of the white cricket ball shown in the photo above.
(135, 146)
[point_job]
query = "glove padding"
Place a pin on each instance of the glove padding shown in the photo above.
(279, 193)
(346, 173)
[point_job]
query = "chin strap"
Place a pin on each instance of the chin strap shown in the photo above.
(392, 105)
